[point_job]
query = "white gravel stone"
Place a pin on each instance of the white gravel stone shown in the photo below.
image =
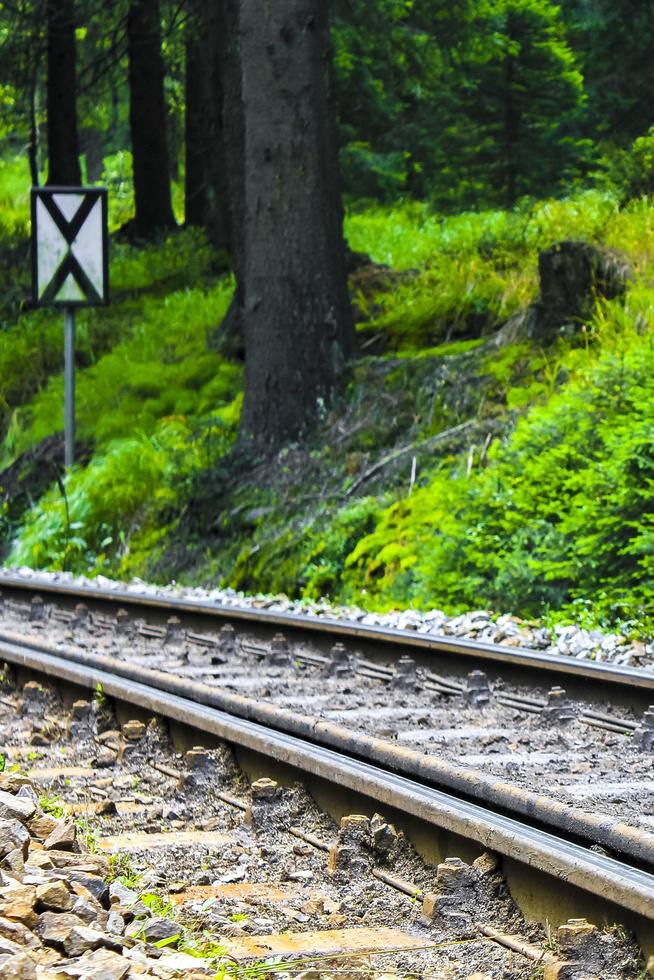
(478, 624)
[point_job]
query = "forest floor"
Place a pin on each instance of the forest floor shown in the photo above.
(472, 459)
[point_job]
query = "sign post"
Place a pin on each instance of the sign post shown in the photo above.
(69, 386)
(70, 268)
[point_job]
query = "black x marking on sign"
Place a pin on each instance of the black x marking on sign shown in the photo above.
(70, 266)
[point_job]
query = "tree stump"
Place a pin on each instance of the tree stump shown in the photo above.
(572, 275)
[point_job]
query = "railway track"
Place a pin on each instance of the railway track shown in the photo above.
(555, 857)
(248, 688)
(195, 851)
(607, 681)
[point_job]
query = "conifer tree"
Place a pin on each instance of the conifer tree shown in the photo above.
(513, 110)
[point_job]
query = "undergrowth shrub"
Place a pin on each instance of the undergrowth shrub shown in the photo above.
(124, 500)
(562, 516)
(474, 270)
(157, 362)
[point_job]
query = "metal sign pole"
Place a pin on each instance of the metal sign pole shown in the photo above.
(69, 385)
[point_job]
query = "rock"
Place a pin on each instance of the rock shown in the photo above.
(12, 782)
(17, 903)
(17, 933)
(454, 900)
(13, 836)
(111, 736)
(97, 886)
(68, 933)
(197, 758)
(81, 710)
(80, 939)
(54, 927)
(95, 864)
(14, 863)
(34, 695)
(8, 947)
(42, 825)
(264, 790)
(62, 838)
(21, 966)
(39, 860)
(120, 894)
(156, 930)
(487, 863)
(15, 807)
(133, 730)
(384, 835)
(105, 758)
(100, 964)
(106, 808)
(115, 923)
(89, 911)
(315, 905)
(42, 736)
(27, 792)
(54, 896)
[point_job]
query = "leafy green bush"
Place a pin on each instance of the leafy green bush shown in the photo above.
(117, 177)
(146, 329)
(563, 513)
(119, 502)
(15, 186)
(472, 271)
(162, 369)
(632, 170)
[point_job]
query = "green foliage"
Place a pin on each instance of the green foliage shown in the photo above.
(122, 492)
(161, 370)
(121, 869)
(144, 331)
(325, 558)
(117, 177)
(512, 109)
(614, 43)
(555, 519)
(14, 198)
(563, 514)
(632, 170)
(52, 804)
(387, 67)
(477, 269)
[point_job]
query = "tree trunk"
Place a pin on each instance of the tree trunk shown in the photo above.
(147, 119)
(63, 144)
(229, 337)
(296, 309)
(93, 144)
(33, 143)
(206, 191)
(511, 124)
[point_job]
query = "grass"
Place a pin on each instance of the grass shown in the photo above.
(158, 412)
(52, 804)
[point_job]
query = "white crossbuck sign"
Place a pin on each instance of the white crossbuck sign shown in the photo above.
(69, 246)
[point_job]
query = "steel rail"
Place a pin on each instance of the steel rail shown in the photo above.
(474, 784)
(556, 664)
(624, 885)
